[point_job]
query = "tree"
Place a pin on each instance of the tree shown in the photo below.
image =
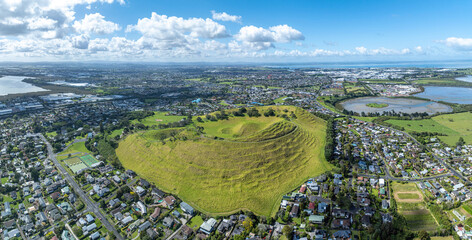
(35, 174)
(461, 142)
(78, 232)
(423, 235)
(248, 224)
(287, 231)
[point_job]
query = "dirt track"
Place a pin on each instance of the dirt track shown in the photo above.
(420, 199)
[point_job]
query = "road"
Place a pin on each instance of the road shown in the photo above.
(178, 230)
(91, 205)
(456, 173)
(440, 160)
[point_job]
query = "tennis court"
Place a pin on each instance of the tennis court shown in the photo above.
(88, 160)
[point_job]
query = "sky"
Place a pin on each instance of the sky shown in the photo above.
(235, 30)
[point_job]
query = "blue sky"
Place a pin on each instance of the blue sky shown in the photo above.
(242, 30)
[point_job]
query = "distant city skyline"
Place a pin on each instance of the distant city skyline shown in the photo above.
(234, 31)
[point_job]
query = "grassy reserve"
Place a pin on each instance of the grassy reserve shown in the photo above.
(75, 148)
(239, 163)
(158, 118)
(453, 125)
(377, 105)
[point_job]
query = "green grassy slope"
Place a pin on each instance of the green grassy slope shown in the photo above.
(223, 176)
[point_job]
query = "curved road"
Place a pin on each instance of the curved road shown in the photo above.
(91, 205)
(387, 170)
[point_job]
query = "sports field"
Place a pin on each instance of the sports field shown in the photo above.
(79, 163)
(411, 205)
(453, 125)
(88, 160)
(73, 161)
(220, 177)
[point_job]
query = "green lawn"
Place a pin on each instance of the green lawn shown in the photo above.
(115, 133)
(453, 125)
(51, 134)
(220, 177)
(280, 99)
(75, 148)
(158, 118)
(4, 180)
(195, 222)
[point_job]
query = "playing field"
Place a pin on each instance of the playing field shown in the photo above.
(260, 160)
(411, 205)
(72, 161)
(88, 160)
(79, 163)
(453, 125)
(78, 167)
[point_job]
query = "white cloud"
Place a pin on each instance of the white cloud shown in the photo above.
(34, 17)
(225, 17)
(174, 28)
(381, 51)
(41, 23)
(80, 42)
(275, 34)
(462, 44)
(95, 23)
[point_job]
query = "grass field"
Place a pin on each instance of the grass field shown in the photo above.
(195, 222)
(72, 161)
(280, 99)
(404, 187)
(408, 195)
(377, 105)
(75, 148)
(411, 206)
(158, 118)
(115, 133)
(220, 177)
(454, 125)
(467, 208)
(51, 134)
(441, 81)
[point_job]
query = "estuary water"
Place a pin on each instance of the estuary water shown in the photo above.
(15, 85)
(405, 105)
(459, 95)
